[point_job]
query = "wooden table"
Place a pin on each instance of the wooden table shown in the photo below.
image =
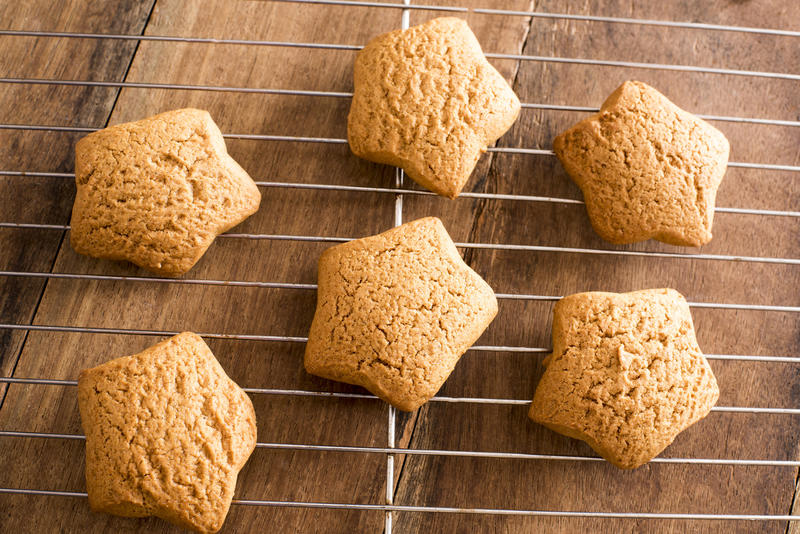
(359, 477)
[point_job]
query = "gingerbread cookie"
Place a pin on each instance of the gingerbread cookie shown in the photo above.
(166, 434)
(626, 375)
(647, 168)
(427, 100)
(395, 312)
(156, 192)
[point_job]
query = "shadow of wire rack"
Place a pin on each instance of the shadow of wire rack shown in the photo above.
(326, 451)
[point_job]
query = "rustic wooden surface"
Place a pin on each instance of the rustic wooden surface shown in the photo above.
(420, 480)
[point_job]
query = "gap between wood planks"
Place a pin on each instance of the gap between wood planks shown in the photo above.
(794, 526)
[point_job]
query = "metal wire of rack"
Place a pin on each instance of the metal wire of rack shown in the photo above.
(400, 190)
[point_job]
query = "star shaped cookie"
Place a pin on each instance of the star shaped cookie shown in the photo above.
(427, 100)
(166, 434)
(156, 192)
(647, 168)
(395, 312)
(626, 375)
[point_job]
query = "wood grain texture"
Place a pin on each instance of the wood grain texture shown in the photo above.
(420, 480)
(653, 488)
(45, 200)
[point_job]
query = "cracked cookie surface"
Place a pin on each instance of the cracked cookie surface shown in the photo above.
(647, 168)
(166, 434)
(395, 312)
(427, 100)
(156, 192)
(626, 374)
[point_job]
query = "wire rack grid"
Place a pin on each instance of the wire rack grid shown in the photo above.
(400, 190)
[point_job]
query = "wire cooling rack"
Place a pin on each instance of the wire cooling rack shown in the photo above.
(400, 190)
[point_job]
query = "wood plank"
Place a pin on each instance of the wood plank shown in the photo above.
(599, 486)
(44, 200)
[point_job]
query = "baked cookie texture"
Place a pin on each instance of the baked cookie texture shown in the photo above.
(626, 375)
(166, 434)
(395, 312)
(156, 192)
(647, 168)
(427, 100)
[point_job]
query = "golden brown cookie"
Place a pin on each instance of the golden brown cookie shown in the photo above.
(166, 434)
(626, 375)
(427, 100)
(156, 192)
(395, 312)
(647, 168)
